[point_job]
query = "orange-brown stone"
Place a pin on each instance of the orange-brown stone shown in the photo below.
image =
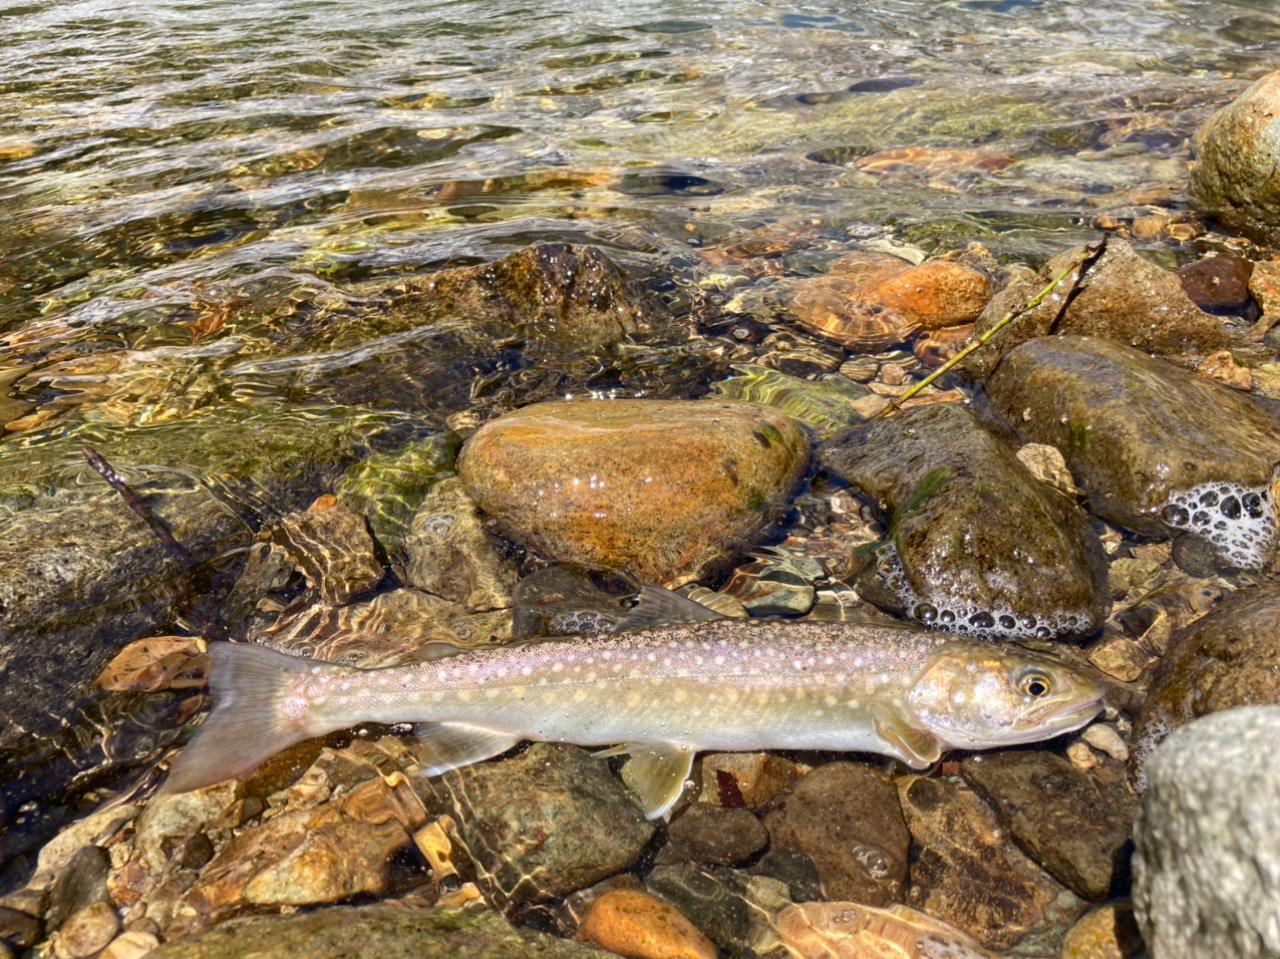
(937, 294)
(635, 924)
(662, 488)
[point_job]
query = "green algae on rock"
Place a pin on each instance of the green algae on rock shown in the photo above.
(1121, 297)
(385, 930)
(976, 544)
(825, 404)
(662, 488)
(1155, 448)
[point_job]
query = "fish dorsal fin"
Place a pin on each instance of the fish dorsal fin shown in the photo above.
(913, 746)
(657, 772)
(656, 606)
(445, 746)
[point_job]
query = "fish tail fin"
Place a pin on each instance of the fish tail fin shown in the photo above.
(249, 723)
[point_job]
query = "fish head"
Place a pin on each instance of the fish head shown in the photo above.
(980, 696)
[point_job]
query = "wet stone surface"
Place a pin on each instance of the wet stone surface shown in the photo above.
(976, 544)
(713, 836)
(545, 823)
(1068, 821)
(847, 819)
(387, 930)
(660, 488)
(969, 875)
(1155, 448)
(1225, 660)
(1123, 297)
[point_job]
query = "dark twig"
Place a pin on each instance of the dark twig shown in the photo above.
(135, 503)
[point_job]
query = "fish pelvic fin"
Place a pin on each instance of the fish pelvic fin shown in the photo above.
(445, 746)
(249, 722)
(915, 747)
(656, 606)
(657, 772)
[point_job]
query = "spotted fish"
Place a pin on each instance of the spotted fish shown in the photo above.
(663, 693)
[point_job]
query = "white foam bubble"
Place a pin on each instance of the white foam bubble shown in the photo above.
(1239, 520)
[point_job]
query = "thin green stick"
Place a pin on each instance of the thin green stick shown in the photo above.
(1091, 251)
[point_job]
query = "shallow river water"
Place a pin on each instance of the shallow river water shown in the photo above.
(193, 195)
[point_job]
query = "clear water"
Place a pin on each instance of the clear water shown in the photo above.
(193, 194)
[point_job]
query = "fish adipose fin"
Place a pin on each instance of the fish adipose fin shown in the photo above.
(248, 724)
(657, 772)
(656, 606)
(913, 746)
(445, 746)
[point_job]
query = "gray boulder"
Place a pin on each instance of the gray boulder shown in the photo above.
(1207, 860)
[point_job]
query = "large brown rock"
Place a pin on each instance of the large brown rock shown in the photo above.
(1069, 821)
(1154, 447)
(661, 488)
(1121, 297)
(1234, 179)
(1229, 658)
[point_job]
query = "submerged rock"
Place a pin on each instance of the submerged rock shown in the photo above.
(1233, 180)
(847, 819)
(385, 930)
(1207, 839)
(1122, 297)
(825, 404)
(632, 923)
(976, 544)
(850, 930)
(1068, 821)
(1218, 284)
(548, 822)
(1154, 447)
(969, 875)
(663, 489)
(451, 557)
(332, 548)
(715, 836)
(558, 291)
(1229, 658)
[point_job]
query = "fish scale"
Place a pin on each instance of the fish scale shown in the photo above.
(665, 693)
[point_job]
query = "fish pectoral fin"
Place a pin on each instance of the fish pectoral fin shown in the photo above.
(913, 746)
(445, 746)
(656, 606)
(610, 752)
(657, 772)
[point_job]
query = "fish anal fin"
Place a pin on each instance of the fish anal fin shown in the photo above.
(657, 772)
(445, 746)
(913, 746)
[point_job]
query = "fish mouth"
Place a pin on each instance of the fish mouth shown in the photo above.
(1073, 717)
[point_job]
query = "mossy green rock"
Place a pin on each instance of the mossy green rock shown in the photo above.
(1136, 430)
(384, 931)
(661, 488)
(1121, 296)
(1234, 179)
(825, 404)
(976, 544)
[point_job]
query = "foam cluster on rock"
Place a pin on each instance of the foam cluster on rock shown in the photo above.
(957, 614)
(1239, 520)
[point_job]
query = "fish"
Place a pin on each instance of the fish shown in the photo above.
(663, 693)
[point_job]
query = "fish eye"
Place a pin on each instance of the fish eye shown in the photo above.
(1035, 684)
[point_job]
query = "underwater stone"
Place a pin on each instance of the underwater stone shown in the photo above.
(662, 488)
(825, 404)
(976, 544)
(1154, 447)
